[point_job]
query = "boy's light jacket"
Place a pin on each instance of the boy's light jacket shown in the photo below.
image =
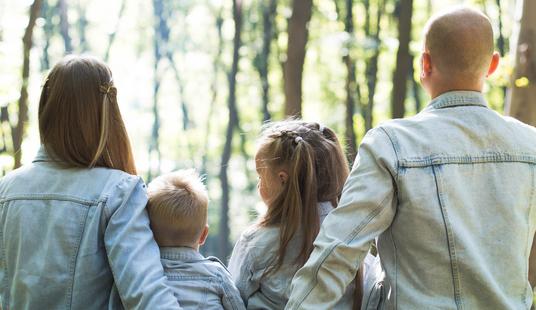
(451, 194)
(199, 282)
(66, 235)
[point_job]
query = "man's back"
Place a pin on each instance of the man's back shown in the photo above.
(449, 192)
(464, 223)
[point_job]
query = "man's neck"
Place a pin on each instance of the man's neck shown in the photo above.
(437, 92)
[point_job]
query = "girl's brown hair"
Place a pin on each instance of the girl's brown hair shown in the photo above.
(317, 170)
(79, 120)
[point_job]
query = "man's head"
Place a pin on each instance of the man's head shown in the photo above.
(458, 51)
(178, 204)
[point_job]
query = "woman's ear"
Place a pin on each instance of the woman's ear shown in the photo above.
(283, 177)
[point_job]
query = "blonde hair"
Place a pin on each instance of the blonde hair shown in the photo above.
(178, 204)
(79, 119)
(317, 170)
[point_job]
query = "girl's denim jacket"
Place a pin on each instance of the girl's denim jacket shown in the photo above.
(67, 234)
(450, 194)
(255, 252)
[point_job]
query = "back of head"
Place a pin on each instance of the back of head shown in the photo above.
(178, 204)
(79, 120)
(317, 169)
(460, 43)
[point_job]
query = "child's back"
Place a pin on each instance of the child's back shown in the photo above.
(199, 282)
(255, 252)
(177, 207)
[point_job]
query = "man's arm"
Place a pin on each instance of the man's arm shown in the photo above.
(366, 209)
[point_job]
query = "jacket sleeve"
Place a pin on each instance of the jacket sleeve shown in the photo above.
(366, 209)
(231, 299)
(241, 267)
(133, 254)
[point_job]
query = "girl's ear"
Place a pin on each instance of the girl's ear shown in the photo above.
(283, 177)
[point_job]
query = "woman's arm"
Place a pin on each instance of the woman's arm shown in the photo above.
(133, 254)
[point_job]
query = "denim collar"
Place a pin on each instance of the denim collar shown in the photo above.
(184, 254)
(456, 99)
(42, 155)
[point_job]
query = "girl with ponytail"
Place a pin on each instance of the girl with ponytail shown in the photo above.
(302, 170)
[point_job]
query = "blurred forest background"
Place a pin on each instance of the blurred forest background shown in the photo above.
(196, 79)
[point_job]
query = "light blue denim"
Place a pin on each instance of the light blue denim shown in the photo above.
(450, 195)
(255, 252)
(67, 234)
(199, 282)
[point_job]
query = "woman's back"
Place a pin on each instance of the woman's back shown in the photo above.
(62, 232)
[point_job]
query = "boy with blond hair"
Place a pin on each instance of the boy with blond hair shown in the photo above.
(448, 193)
(178, 204)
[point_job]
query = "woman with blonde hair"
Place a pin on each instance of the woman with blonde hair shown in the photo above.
(73, 222)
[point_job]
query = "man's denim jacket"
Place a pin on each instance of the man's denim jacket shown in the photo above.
(255, 252)
(67, 234)
(450, 193)
(199, 282)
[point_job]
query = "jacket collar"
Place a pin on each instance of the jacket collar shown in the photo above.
(456, 99)
(184, 254)
(42, 155)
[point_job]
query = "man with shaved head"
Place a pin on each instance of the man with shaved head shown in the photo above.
(448, 195)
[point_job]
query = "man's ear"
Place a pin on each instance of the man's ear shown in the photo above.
(283, 177)
(494, 63)
(204, 235)
(426, 64)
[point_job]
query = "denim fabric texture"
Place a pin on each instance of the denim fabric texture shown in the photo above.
(450, 195)
(255, 252)
(199, 282)
(67, 234)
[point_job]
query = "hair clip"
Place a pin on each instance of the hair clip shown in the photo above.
(321, 128)
(298, 139)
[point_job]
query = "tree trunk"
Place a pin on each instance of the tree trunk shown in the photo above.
(19, 131)
(82, 25)
(353, 92)
(268, 14)
(371, 67)
(112, 34)
(400, 76)
(64, 26)
(233, 121)
(48, 30)
(521, 104)
(154, 145)
(214, 90)
(296, 47)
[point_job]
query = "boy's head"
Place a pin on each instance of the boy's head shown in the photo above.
(458, 51)
(178, 204)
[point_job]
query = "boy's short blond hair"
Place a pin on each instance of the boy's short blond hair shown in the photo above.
(178, 204)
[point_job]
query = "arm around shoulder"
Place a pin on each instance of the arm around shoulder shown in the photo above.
(366, 209)
(133, 254)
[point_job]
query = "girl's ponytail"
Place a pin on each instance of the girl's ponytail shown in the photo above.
(300, 204)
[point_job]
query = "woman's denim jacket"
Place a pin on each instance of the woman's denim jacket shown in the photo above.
(451, 194)
(66, 235)
(254, 252)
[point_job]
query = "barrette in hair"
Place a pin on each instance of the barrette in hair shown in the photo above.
(298, 139)
(105, 89)
(321, 128)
